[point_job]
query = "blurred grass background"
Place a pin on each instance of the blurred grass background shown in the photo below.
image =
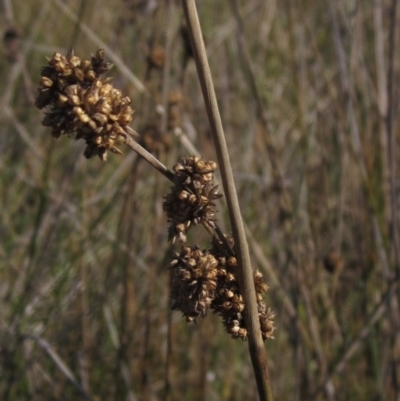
(309, 101)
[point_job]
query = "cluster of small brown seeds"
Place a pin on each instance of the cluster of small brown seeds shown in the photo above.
(78, 102)
(174, 116)
(205, 280)
(229, 303)
(153, 140)
(191, 199)
(156, 57)
(194, 282)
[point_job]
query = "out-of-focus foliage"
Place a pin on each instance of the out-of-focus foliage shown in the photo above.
(84, 251)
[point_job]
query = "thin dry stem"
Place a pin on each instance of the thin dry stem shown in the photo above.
(382, 100)
(61, 365)
(149, 158)
(244, 57)
(256, 345)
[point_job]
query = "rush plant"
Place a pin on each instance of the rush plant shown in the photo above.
(79, 102)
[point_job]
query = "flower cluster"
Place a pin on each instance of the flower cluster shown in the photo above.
(207, 280)
(204, 280)
(174, 115)
(153, 140)
(79, 102)
(194, 282)
(191, 199)
(156, 57)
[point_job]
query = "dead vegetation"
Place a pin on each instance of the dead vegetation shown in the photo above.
(309, 103)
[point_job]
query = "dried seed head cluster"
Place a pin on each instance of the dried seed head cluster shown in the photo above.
(78, 102)
(175, 101)
(187, 46)
(229, 303)
(333, 262)
(153, 140)
(12, 44)
(206, 280)
(156, 57)
(194, 282)
(191, 199)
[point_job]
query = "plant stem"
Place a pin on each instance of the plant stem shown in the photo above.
(149, 158)
(246, 281)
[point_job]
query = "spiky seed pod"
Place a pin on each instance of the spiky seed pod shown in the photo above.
(194, 282)
(153, 140)
(175, 97)
(191, 199)
(333, 262)
(12, 44)
(266, 317)
(78, 102)
(175, 106)
(206, 279)
(228, 302)
(187, 47)
(156, 57)
(260, 285)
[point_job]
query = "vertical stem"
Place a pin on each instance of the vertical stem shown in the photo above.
(245, 62)
(393, 228)
(390, 140)
(170, 5)
(246, 282)
(86, 335)
(169, 361)
(382, 99)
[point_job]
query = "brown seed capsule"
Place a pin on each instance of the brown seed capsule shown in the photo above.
(333, 262)
(104, 108)
(125, 119)
(46, 82)
(74, 61)
(78, 74)
(62, 99)
(101, 118)
(242, 333)
(232, 261)
(90, 75)
(86, 65)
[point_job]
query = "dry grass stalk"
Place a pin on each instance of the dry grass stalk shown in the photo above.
(256, 346)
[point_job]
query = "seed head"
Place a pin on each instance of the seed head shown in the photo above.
(174, 112)
(206, 279)
(78, 102)
(194, 282)
(191, 199)
(153, 140)
(229, 302)
(156, 57)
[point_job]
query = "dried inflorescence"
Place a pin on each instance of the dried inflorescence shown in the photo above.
(187, 54)
(207, 280)
(153, 140)
(12, 44)
(194, 282)
(191, 199)
(229, 303)
(333, 262)
(156, 57)
(174, 115)
(78, 102)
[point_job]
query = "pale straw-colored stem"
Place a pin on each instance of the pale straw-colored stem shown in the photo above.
(142, 152)
(246, 281)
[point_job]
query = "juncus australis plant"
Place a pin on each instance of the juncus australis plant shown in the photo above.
(78, 102)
